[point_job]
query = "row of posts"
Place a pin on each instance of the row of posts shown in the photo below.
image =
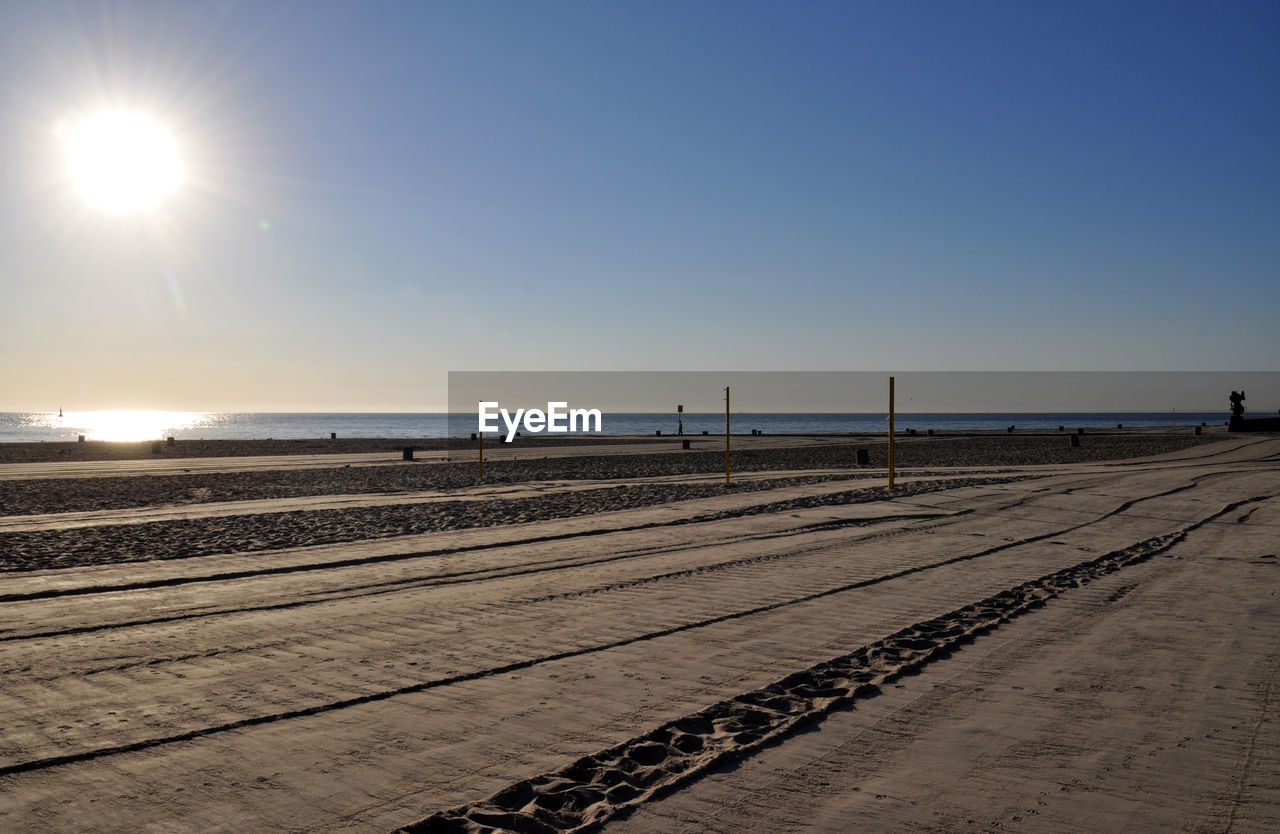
(863, 457)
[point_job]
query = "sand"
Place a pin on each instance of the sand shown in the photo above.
(1012, 638)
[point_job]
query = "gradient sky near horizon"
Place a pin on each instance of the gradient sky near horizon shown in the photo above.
(382, 192)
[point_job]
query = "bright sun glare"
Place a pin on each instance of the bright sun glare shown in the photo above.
(126, 425)
(120, 161)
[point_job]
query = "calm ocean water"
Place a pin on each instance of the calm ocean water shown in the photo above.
(149, 425)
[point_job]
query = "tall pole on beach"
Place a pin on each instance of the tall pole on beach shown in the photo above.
(480, 437)
(890, 432)
(726, 435)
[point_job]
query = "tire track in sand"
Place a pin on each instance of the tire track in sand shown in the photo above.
(329, 706)
(586, 793)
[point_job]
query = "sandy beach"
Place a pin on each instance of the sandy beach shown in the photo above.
(322, 636)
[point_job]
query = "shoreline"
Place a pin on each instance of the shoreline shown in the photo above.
(49, 451)
(38, 488)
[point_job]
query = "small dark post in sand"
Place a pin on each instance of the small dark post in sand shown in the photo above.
(1197, 429)
(171, 441)
(684, 444)
(1075, 441)
(1010, 429)
(81, 440)
(726, 435)
(680, 420)
(890, 432)
(155, 447)
(333, 435)
(1062, 428)
(863, 457)
(408, 453)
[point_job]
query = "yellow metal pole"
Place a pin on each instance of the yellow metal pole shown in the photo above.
(890, 432)
(480, 436)
(726, 435)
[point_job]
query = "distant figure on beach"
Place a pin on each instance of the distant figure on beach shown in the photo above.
(1237, 404)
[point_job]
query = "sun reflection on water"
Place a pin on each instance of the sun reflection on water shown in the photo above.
(128, 425)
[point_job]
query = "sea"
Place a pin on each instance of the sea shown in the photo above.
(34, 427)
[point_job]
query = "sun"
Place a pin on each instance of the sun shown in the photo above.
(120, 161)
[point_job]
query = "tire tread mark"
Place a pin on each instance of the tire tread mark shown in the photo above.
(423, 686)
(612, 782)
(865, 495)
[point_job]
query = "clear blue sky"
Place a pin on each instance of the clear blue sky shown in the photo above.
(381, 192)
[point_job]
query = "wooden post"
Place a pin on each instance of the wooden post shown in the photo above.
(890, 432)
(480, 437)
(726, 435)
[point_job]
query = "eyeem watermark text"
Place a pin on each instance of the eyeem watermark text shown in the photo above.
(557, 419)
